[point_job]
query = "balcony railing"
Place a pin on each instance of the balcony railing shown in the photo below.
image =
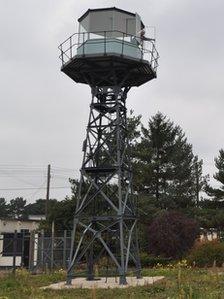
(106, 42)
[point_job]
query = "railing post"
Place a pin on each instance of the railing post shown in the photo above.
(70, 47)
(142, 47)
(152, 55)
(105, 47)
(122, 49)
(83, 45)
(62, 55)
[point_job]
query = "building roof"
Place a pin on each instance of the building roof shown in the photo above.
(18, 220)
(105, 9)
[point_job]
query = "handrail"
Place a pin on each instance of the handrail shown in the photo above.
(97, 33)
(147, 47)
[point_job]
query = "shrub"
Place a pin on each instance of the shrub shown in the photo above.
(172, 234)
(151, 261)
(207, 254)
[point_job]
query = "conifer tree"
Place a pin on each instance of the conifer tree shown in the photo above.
(164, 165)
(17, 208)
(4, 209)
(218, 193)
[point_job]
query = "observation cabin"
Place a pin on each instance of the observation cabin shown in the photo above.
(109, 40)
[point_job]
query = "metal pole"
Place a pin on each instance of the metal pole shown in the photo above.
(14, 252)
(122, 51)
(52, 245)
(138, 261)
(64, 249)
(22, 249)
(42, 248)
(48, 190)
(31, 251)
(90, 275)
(120, 213)
(105, 36)
(83, 45)
(70, 47)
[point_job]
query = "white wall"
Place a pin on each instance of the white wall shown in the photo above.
(9, 226)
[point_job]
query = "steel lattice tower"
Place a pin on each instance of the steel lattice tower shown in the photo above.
(105, 217)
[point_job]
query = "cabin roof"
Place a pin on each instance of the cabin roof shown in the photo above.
(105, 9)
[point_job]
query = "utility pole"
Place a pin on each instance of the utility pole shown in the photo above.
(48, 189)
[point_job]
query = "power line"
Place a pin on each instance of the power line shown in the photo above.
(30, 188)
(38, 190)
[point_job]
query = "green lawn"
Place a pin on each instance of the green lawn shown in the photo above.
(178, 283)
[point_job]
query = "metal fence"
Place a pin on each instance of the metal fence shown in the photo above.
(36, 251)
(43, 251)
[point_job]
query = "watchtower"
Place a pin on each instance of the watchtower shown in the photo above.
(111, 54)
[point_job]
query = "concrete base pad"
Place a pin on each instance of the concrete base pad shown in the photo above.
(103, 283)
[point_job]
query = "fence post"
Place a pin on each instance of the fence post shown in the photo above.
(52, 245)
(31, 251)
(64, 248)
(42, 249)
(14, 252)
(22, 249)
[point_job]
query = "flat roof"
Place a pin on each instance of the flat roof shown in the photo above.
(108, 8)
(19, 220)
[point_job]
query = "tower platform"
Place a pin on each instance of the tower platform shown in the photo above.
(95, 69)
(106, 58)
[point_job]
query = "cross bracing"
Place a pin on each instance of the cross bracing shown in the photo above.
(105, 208)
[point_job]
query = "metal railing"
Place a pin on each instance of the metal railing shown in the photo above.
(80, 41)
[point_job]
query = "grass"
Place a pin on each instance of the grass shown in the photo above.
(178, 283)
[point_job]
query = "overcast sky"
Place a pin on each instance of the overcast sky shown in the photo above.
(43, 113)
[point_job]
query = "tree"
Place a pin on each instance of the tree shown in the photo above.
(36, 208)
(4, 209)
(164, 164)
(172, 234)
(62, 212)
(217, 194)
(133, 129)
(17, 208)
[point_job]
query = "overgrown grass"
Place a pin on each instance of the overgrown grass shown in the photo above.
(179, 282)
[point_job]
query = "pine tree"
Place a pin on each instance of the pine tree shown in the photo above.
(217, 194)
(4, 209)
(17, 208)
(164, 165)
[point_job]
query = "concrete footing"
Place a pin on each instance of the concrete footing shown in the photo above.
(104, 283)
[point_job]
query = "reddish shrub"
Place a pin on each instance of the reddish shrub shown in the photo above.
(172, 234)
